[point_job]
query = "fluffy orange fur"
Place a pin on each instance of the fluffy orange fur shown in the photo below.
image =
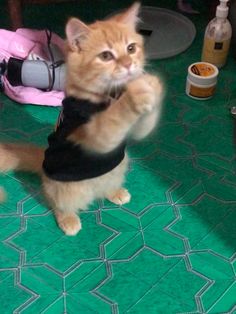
(101, 57)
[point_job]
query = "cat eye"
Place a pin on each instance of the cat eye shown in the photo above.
(131, 48)
(106, 56)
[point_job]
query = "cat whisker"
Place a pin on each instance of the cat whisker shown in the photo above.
(109, 90)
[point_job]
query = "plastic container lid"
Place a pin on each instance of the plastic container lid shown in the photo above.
(167, 33)
(203, 73)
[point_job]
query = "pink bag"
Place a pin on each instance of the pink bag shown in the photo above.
(26, 44)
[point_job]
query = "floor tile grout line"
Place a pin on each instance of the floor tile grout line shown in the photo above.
(220, 297)
(85, 276)
(154, 285)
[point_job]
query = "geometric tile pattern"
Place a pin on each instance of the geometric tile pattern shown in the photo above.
(172, 249)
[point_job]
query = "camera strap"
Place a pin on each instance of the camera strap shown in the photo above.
(54, 64)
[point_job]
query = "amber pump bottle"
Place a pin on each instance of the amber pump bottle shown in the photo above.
(217, 37)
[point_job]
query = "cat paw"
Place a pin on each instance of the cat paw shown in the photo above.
(120, 197)
(70, 224)
(145, 93)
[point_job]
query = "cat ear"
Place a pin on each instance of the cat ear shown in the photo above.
(130, 16)
(76, 31)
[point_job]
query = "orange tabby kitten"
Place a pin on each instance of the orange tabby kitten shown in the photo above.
(100, 57)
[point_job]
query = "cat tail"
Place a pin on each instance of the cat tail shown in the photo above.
(20, 157)
(2, 195)
(24, 157)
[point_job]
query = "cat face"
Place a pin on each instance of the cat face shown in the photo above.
(105, 54)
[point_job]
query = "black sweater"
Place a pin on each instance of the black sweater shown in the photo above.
(65, 161)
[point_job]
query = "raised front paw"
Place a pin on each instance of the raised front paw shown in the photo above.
(145, 93)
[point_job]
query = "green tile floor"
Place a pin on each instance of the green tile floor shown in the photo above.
(172, 249)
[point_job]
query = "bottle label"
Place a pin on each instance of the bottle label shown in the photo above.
(201, 92)
(218, 46)
(215, 52)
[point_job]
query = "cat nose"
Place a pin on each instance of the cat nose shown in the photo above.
(126, 62)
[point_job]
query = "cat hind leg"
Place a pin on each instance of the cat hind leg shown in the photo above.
(69, 222)
(119, 197)
(66, 199)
